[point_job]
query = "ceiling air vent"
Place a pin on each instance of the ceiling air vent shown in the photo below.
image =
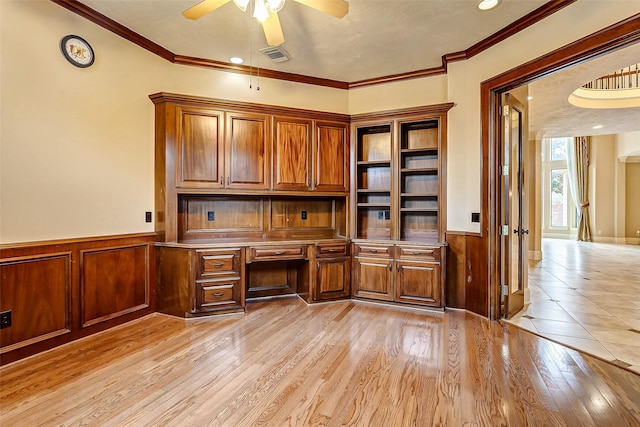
(276, 53)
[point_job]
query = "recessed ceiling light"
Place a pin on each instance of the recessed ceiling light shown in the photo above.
(598, 127)
(488, 4)
(236, 60)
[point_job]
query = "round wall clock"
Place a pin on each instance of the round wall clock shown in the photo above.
(77, 51)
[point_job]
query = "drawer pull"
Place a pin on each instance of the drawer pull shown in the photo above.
(333, 250)
(417, 253)
(218, 294)
(218, 265)
(280, 253)
(373, 250)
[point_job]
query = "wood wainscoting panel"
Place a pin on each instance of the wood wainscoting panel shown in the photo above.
(36, 290)
(467, 272)
(114, 281)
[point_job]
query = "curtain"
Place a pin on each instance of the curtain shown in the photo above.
(578, 164)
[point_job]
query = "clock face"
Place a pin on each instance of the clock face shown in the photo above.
(77, 51)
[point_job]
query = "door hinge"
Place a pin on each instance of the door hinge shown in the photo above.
(504, 230)
(505, 170)
(504, 289)
(505, 110)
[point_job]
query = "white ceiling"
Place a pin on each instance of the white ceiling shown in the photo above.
(376, 38)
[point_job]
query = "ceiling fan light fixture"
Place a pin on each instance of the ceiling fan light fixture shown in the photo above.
(260, 11)
(275, 5)
(242, 4)
(488, 4)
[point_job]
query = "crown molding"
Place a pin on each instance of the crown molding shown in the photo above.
(109, 24)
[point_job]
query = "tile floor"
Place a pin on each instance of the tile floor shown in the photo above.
(587, 296)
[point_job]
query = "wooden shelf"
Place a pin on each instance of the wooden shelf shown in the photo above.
(424, 171)
(373, 191)
(435, 196)
(374, 163)
(374, 205)
(419, 150)
(421, 210)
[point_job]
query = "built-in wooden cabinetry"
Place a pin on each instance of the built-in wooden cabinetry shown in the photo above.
(398, 204)
(248, 199)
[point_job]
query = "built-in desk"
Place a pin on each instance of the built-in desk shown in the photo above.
(203, 278)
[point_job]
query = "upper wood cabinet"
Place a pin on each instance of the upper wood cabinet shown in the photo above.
(247, 152)
(291, 153)
(331, 157)
(200, 148)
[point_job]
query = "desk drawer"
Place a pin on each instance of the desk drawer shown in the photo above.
(418, 252)
(217, 294)
(276, 253)
(332, 250)
(383, 251)
(218, 263)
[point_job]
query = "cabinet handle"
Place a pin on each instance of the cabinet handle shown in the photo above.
(390, 266)
(398, 268)
(221, 180)
(228, 181)
(218, 294)
(218, 265)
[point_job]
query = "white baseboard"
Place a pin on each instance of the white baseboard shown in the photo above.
(614, 240)
(535, 255)
(527, 295)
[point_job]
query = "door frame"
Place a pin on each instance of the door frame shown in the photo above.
(609, 39)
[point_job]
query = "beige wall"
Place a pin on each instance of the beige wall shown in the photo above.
(632, 213)
(76, 146)
(602, 186)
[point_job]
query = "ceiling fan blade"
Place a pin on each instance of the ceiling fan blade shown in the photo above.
(273, 30)
(337, 8)
(202, 8)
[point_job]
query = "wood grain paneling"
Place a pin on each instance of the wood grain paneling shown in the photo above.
(456, 269)
(56, 297)
(331, 156)
(200, 148)
(247, 153)
(37, 291)
(291, 154)
(114, 282)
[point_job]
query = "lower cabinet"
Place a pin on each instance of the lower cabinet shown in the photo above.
(333, 272)
(193, 282)
(401, 273)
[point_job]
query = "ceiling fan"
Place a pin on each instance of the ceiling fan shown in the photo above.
(266, 11)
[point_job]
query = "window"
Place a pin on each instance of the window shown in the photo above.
(559, 212)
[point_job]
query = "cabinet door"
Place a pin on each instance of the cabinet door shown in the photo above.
(333, 279)
(331, 157)
(373, 278)
(200, 148)
(418, 283)
(291, 154)
(247, 153)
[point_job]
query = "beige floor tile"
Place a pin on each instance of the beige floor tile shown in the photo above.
(549, 314)
(601, 321)
(561, 328)
(615, 336)
(626, 353)
(586, 345)
(590, 308)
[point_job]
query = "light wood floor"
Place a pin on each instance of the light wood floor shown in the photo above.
(284, 363)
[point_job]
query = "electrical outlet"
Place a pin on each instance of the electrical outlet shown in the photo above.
(475, 216)
(147, 216)
(303, 215)
(5, 319)
(211, 216)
